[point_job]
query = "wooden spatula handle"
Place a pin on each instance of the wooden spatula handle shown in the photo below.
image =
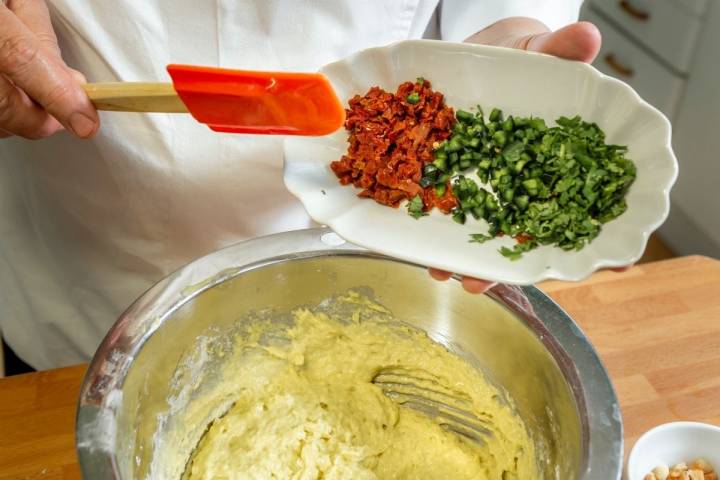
(135, 97)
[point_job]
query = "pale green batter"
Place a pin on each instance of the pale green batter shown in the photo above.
(306, 408)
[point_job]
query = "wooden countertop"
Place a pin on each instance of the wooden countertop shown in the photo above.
(656, 326)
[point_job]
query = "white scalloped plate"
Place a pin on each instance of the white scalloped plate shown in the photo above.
(519, 83)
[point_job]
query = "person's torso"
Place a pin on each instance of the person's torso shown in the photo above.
(91, 224)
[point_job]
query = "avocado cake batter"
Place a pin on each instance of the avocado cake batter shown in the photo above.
(305, 407)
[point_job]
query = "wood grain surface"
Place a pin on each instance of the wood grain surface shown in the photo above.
(37, 425)
(656, 327)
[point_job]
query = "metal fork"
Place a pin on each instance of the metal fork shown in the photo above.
(423, 392)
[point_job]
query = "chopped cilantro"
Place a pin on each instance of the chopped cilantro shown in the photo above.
(548, 185)
(416, 207)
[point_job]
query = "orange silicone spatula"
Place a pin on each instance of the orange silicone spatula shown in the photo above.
(238, 101)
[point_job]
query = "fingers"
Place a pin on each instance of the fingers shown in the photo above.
(36, 17)
(440, 275)
(475, 285)
(471, 285)
(42, 75)
(21, 116)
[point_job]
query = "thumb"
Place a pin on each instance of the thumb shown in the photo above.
(577, 41)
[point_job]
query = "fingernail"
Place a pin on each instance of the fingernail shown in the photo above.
(82, 125)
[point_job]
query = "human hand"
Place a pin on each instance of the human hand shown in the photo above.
(39, 93)
(578, 41)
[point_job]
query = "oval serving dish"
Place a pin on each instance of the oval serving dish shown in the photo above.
(519, 83)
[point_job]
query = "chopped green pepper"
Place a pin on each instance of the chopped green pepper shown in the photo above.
(551, 185)
(464, 116)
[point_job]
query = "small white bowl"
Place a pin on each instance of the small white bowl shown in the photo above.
(672, 443)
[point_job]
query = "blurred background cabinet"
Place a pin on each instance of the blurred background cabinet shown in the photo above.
(669, 52)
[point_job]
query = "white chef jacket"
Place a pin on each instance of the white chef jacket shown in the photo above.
(87, 225)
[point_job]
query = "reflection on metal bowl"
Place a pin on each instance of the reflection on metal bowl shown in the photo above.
(157, 360)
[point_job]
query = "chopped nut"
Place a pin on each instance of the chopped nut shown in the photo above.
(677, 470)
(701, 464)
(700, 469)
(661, 472)
(695, 474)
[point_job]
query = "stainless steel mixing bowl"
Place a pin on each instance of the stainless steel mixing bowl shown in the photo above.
(160, 356)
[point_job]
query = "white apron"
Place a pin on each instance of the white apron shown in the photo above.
(87, 226)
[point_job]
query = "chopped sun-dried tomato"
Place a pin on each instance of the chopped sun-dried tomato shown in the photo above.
(391, 138)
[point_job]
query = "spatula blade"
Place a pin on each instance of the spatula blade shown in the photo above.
(242, 101)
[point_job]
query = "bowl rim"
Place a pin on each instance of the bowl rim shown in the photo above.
(676, 425)
(101, 392)
(511, 276)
